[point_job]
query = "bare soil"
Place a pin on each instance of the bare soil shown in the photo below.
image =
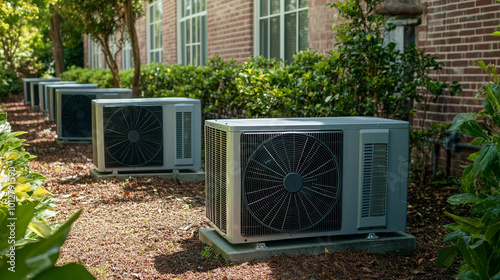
(147, 228)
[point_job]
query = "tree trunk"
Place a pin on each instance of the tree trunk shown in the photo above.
(130, 18)
(56, 38)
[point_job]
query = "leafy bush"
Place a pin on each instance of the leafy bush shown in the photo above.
(10, 83)
(477, 238)
(101, 77)
(25, 208)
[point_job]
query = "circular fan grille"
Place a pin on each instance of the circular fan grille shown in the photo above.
(76, 116)
(133, 135)
(291, 182)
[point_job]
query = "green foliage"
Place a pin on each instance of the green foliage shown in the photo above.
(10, 83)
(29, 245)
(374, 78)
(422, 145)
(477, 238)
(101, 77)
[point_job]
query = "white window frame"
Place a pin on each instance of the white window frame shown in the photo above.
(127, 55)
(157, 22)
(282, 13)
(201, 45)
(94, 54)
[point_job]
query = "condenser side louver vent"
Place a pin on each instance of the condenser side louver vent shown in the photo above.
(268, 160)
(184, 134)
(215, 174)
(374, 186)
(374, 166)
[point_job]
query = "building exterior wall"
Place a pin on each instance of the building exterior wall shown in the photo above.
(230, 29)
(459, 33)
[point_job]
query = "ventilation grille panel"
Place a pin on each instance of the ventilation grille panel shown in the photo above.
(76, 115)
(250, 226)
(374, 184)
(133, 136)
(184, 135)
(215, 172)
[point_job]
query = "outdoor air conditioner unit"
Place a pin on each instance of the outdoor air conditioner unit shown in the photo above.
(274, 179)
(146, 134)
(28, 89)
(51, 95)
(74, 110)
(43, 93)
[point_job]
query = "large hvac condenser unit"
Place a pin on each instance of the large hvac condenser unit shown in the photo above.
(146, 134)
(74, 110)
(274, 179)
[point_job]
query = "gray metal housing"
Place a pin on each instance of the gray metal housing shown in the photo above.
(51, 93)
(93, 93)
(173, 135)
(43, 94)
(27, 87)
(361, 179)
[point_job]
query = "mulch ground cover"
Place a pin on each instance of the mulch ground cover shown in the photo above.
(147, 228)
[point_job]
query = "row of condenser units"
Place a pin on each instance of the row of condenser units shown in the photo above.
(266, 179)
(127, 134)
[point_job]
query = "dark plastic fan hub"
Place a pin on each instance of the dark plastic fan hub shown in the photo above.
(134, 136)
(291, 182)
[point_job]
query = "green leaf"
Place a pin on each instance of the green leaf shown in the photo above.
(481, 64)
(37, 257)
(40, 228)
(460, 119)
(447, 256)
(70, 271)
(491, 231)
(463, 198)
(487, 160)
(494, 265)
(20, 218)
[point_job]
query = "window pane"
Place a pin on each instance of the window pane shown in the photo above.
(151, 36)
(263, 31)
(303, 3)
(290, 5)
(193, 28)
(196, 6)
(290, 36)
(275, 37)
(158, 11)
(188, 31)
(275, 6)
(203, 6)
(264, 7)
(188, 7)
(303, 30)
(158, 36)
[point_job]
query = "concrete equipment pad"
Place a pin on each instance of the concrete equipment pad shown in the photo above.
(398, 242)
(186, 176)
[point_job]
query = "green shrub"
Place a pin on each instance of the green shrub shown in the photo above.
(29, 245)
(10, 83)
(477, 238)
(101, 77)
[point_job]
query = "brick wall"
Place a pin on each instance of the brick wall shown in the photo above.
(321, 18)
(230, 29)
(169, 31)
(458, 32)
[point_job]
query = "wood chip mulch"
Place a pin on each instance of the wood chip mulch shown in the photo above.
(147, 228)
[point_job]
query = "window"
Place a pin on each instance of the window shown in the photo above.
(127, 56)
(154, 15)
(282, 28)
(94, 54)
(192, 31)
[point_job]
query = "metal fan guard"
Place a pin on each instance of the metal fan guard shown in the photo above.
(291, 182)
(133, 136)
